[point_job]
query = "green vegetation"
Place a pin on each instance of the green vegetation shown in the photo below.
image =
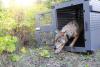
(86, 65)
(23, 50)
(8, 43)
(17, 27)
(45, 53)
(17, 23)
(14, 57)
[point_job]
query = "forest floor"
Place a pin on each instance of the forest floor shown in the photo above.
(34, 58)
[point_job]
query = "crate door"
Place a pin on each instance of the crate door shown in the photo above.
(44, 28)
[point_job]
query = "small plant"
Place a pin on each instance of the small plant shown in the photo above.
(23, 50)
(14, 57)
(86, 65)
(44, 53)
(7, 43)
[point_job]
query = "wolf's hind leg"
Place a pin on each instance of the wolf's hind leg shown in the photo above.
(74, 41)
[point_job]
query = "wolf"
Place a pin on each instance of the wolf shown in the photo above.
(71, 29)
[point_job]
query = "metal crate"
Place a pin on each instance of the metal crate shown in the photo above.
(86, 12)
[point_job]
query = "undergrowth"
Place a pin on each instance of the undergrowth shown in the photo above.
(8, 44)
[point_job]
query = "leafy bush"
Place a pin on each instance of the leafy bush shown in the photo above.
(7, 43)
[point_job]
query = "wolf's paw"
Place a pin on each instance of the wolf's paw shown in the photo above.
(57, 51)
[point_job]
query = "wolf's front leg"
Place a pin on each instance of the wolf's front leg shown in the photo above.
(59, 49)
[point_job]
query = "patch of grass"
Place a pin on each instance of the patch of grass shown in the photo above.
(44, 53)
(86, 65)
(14, 57)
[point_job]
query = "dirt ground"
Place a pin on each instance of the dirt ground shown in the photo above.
(63, 59)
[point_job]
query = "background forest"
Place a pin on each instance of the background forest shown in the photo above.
(17, 27)
(17, 21)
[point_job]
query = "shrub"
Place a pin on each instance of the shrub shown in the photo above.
(8, 43)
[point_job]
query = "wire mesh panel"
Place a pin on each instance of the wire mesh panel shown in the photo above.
(46, 34)
(47, 37)
(45, 19)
